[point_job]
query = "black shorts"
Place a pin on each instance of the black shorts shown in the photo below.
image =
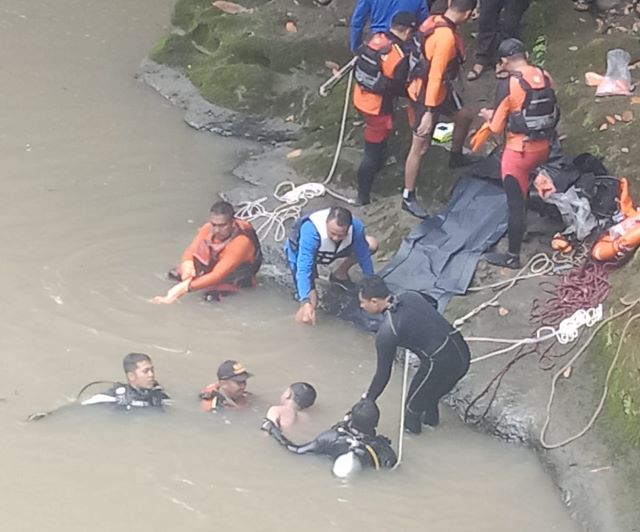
(451, 105)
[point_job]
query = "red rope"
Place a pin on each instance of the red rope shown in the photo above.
(583, 287)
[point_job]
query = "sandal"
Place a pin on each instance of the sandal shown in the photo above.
(501, 73)
(582, 5)
(475, 72)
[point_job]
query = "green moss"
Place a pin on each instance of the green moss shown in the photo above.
(246, 87)
(175, 51)
(186, 12)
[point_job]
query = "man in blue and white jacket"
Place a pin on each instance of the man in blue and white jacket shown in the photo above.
(321, 238)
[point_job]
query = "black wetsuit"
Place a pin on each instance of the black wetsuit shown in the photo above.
(129, 397)
(412, 322)
(372, 450)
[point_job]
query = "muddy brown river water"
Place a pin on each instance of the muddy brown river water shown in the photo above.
(102, 185)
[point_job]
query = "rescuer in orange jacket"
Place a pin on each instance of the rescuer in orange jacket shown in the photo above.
(381, 73)
(434, 64)
(527, 110)
(224, 256)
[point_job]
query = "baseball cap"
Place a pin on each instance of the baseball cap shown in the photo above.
(404, 18)
(233, 370)
(510, 47)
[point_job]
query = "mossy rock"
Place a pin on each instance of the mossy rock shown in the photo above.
(246, 87)
(174, 50)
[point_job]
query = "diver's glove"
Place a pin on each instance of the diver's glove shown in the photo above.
(273, 430)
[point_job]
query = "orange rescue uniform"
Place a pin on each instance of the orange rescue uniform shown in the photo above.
(522, 155)
(513, 102)
(444, 52)
(222, 262)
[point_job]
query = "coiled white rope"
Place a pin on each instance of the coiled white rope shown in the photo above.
(294, 200)
(567, 331)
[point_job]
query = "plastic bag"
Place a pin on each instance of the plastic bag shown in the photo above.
(575, 212)
(617, 80)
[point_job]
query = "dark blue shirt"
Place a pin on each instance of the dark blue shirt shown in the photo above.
(380, 13)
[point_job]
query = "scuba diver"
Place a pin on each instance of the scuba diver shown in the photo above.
(140, 391)
(412, 322)
(355, 437)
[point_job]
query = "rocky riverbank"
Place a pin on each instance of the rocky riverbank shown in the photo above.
(251, 75)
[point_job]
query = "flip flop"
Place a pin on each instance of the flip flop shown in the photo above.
(475, 72)
(502, 74)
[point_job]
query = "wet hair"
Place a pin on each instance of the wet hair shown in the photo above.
(341, 215)
(373, 286)
(462, 6)
(222, 208)
(365, 415)
(304, 395)
(130, 362)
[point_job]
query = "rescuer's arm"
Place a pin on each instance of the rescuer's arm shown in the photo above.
(361, 248)
(386, 345)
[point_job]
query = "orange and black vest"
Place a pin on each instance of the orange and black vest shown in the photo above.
(540, 112)
(420, 64)
(206, 255)
(375, 68)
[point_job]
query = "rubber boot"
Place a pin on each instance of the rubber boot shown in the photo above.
(431, 416)
(412, 422)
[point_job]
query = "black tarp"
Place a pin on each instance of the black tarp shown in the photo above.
(439, 256)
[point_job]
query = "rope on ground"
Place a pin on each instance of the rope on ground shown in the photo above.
(605, 392)
(539, 265)
(585, 286)
(294, 200)
(568, 331)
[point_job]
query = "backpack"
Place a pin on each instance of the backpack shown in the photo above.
(368, 68)
(540, 113)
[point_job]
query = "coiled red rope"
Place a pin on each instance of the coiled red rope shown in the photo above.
(585, 286)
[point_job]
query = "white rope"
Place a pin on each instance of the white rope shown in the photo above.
(403, 397)
(568, 331)
(294, 200)
(605, 391)
(539, 265)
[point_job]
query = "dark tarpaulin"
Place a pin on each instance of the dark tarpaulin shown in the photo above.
(439, 257)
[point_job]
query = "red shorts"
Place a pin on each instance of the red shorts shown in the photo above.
(377, 129)
(520, 164)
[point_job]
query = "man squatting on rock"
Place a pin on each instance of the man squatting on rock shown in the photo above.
(323, 237)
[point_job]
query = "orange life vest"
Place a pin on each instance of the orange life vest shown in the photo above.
(623, 238)
(539, 114)
(374, 68)
(420, 64)
(208, 252)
